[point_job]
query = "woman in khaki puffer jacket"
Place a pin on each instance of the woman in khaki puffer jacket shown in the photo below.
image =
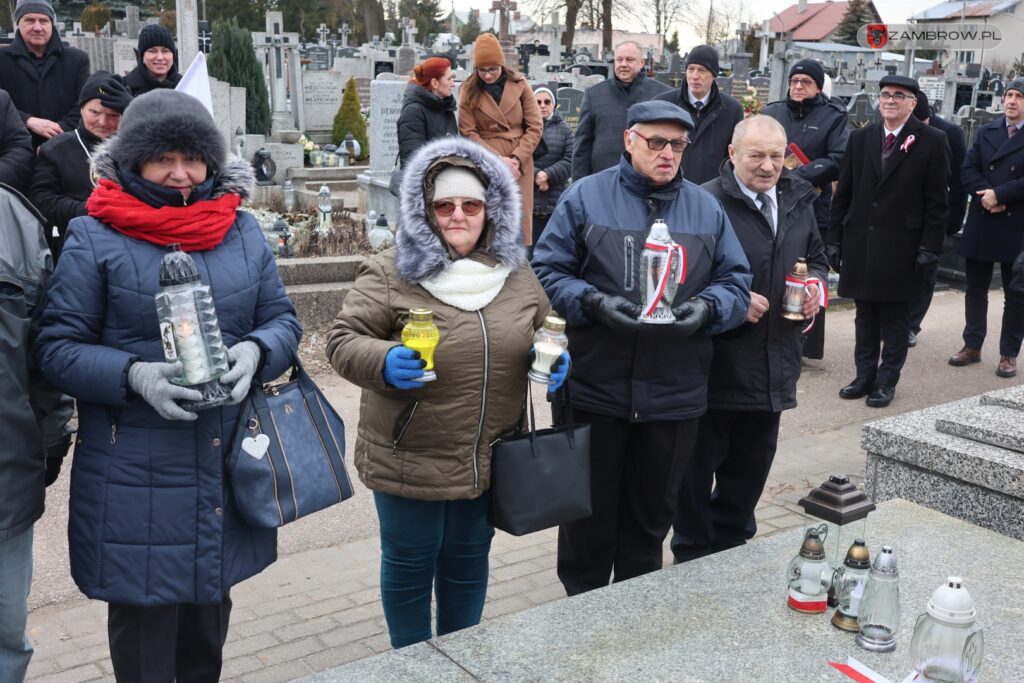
(425, 449)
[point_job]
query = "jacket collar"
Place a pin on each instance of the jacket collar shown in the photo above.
(417, 93)
(804, 107)
(791, 190)
(55, 46)
(638, 183)
(627, 87)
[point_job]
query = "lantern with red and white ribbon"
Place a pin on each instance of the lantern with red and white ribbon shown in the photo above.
(664, 269)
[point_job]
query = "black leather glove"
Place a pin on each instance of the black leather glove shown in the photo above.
(616, 312)
(834, 254)
(115, 95)
(691, 316)
(55, 458)
(926, 261)
(1017, 281)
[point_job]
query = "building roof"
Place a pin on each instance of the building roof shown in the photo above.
(815, 22)
(491, 21)
(970, 9)
(854, 49)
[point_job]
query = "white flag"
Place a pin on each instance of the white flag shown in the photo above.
(196, 82)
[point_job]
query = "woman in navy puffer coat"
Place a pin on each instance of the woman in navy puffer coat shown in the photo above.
(153, 526)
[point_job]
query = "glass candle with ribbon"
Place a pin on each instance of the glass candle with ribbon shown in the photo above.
(664, 269)
(421, 334)
(189, 330)
(809, 574)
(796, 287)
(549, 342)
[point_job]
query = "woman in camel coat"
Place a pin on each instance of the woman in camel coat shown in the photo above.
(497, 109)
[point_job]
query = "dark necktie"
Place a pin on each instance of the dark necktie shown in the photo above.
(1011, 130)
(698, 106)
(766, 209)
(890, 140)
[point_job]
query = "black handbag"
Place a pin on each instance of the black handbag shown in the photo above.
(541, 479)
(287, 459)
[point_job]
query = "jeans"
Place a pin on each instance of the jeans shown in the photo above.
(439, 543)
(15, 580)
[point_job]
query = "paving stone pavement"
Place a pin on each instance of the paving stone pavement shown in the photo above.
(320, 607)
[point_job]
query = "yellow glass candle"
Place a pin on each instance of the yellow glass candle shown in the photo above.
(421, 334)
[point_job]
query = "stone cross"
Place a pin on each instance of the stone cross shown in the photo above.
(409, 32)
(280, 48)
(205, 37)
(344, 32)
(131, 19)
(503, 7)
(323, 32)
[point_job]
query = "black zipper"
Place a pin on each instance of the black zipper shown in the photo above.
(401, 432)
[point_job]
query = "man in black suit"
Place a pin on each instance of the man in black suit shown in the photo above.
(957, 204)
(889, 215)
(993, 176)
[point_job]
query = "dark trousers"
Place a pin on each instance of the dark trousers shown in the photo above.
(426, 546)
(881, 330)
(920, 305)
(735, 450)
(979, 279)
(635, 468)
(168, 643)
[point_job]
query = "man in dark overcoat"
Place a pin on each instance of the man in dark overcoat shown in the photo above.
(993, 176)
(889, 216)
(754, 368)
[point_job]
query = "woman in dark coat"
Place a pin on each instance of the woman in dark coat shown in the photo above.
(428, 108)
(158, 61)
(552, 161)
(153, 526)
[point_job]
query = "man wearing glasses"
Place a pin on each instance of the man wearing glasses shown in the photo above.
(641, 387)
(818, 127)
(888, 222)
(598, 142)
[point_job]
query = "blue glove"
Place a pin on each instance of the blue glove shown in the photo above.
(559, 371)
(402, 366)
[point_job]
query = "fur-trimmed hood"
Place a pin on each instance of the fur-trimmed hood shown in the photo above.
(422, 252)
(236, 176)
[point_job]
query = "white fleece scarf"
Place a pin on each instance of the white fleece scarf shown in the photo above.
(468, 285)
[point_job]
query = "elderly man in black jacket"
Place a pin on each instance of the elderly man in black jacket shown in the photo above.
(15, 145)
(598, 143)
(755, 368)
(62, 180)
(889, 215)
(714, 113)
(42, 76)
(993, 175)
(818, 126)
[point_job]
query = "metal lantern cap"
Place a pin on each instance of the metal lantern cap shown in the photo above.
(812, 548)
(837, 501)
(951, 603)
(177, 268)
(885, 563)
(421, 314)
(857, 557)
(554, 323)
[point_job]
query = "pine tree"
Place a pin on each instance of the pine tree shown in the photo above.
(95, 17)
(672, 46)
(470, 30)
(349, 119)
(233, 59)
(858, 13)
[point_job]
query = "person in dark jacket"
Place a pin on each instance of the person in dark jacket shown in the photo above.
(714, 113)
(754, 368)
(15, 145)
(889, 216)
(818, 126)
(552, 161)
(41, 75)
(957, 205)
(598, 140)
(641, 386)
(157, 61)
(993, 176)
(428, 107)
(33, 419)
(153, 527)
(62, 179)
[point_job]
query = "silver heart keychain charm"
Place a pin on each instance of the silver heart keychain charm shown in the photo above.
(256, 446)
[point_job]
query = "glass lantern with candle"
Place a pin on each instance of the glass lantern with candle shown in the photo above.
(421, 334)
(809, 574)
(844, 509)
(878, 616)
(189, 331)
(330, 156)
(316, 156)
(796, 287)
(848, 584)
(549, 342)
(948, 643)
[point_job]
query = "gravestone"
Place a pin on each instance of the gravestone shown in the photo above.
(761, 84)
(363, 88)
(933, 87)
(132, 25)
(220, 93)
(740, 69)
(187, 19)
(279, 53)
(385, 108)
(570, 100)
(383, 67)
(124, 56)
(860, 111)
(319, 58)
(407, 53)
(321, 97)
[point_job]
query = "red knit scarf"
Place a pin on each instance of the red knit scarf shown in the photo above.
(198, 227)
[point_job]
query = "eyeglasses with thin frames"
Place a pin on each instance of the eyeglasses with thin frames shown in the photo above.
(894, 96)
(446, 207)
(658, 144)
(802, 82)
(488, 69)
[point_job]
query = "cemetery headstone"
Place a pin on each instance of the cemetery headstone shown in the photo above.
(407, 53)
(860, 111)
(933, 87)
(363, 88)
(385, 108)
(319, 58)
(570, 100)
(187, 19)
(321, 97)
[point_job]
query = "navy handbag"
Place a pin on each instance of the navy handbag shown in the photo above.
(287, 459)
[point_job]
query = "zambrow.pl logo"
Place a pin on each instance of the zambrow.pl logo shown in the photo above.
(877, 35)
(929, 36)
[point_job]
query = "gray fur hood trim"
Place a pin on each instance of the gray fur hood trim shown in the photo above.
(236, 177)
(422, 252)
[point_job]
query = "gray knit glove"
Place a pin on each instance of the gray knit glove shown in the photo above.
(245, 358)
(150, 381)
